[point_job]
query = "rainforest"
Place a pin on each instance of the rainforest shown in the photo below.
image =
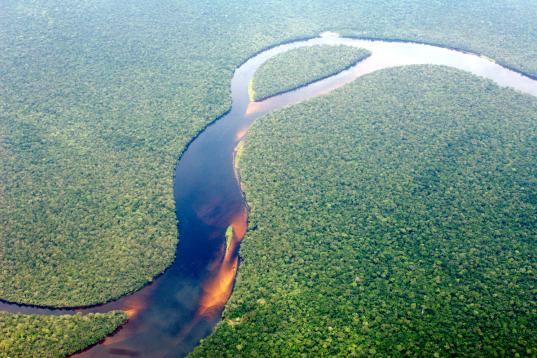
(384, 223)
(246, 178)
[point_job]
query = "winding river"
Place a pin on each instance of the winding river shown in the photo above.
(170, 316)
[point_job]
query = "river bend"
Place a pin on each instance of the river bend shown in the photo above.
(170, 316)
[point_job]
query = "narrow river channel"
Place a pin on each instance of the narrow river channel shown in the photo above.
(170, 316)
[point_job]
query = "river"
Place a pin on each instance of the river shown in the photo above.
(182, 306)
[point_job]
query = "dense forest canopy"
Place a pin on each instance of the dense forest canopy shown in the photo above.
(395, 216)
(99, 98)
(301, 66)
(53, 336)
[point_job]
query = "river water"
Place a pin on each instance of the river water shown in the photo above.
(170, 316)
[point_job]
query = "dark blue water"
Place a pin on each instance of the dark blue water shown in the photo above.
(170, 316)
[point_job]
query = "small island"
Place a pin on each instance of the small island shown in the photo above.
(301, 66)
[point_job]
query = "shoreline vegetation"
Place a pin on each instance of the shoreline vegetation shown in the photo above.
(54, 336)
(223, 114)
(13, 287)
(80, 97)
(411, 272)
(285, 73)
(239, 151)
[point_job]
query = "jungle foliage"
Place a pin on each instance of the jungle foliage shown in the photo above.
(395, 216)
(53, 336)
(301, 66)
(99, 98)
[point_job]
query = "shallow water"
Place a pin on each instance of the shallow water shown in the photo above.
(170, 316)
